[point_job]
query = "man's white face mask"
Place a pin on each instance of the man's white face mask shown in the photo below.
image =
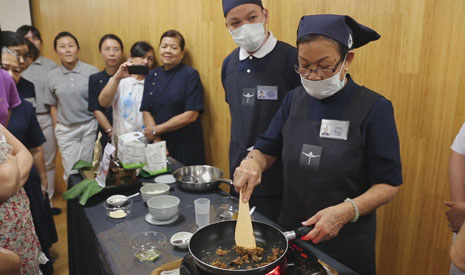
(250, 36)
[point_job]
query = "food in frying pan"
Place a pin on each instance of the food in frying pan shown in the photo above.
(222, 252)
(249, 257)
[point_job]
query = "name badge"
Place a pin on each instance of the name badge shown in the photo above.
(267, 92)
(334, 129)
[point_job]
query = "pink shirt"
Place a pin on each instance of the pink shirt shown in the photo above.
(9, 97)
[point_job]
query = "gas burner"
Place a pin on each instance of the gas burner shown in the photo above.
(298, 261)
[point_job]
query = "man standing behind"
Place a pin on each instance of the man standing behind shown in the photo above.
(37, 73)
(261, 63)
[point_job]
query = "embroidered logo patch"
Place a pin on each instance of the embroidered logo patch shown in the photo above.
(310, 156)
(248, 96)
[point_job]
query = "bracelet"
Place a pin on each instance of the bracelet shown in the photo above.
(357, 213)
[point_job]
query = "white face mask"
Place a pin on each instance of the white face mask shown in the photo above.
(250, 36)
(321, 89)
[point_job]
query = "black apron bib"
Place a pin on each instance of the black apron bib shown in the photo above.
(250, 117)
(321, 172)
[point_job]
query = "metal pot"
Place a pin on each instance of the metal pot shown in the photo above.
(204, 243)
(199, 177)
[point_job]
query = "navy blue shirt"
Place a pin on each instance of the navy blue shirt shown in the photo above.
(170, 93)
(96, 84)
(378, 131)
(261, 65)
(26, 91)
(24, 125)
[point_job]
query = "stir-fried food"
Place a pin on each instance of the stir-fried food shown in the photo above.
(247, 258)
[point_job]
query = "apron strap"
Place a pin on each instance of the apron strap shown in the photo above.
(300, 103)
(361, 103)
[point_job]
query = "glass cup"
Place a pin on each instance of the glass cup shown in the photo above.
(202, 212)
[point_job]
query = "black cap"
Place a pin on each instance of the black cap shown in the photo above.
(341, 28)
(231, 4)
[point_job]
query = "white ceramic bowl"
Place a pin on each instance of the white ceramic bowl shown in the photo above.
(151, 190)
(163, 207)
(181, 239)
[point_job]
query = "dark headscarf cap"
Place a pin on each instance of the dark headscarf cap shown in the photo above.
(341, 28)
(231, 4)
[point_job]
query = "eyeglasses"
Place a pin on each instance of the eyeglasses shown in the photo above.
(321, 72)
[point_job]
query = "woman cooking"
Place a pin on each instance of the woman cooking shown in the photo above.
(338, 142)
(172, 102)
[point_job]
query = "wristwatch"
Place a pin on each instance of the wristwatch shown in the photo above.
(154, 132)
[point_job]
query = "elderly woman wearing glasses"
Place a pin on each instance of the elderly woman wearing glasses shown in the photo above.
(338, 143)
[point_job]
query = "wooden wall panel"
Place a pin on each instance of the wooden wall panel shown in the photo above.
(417, 64)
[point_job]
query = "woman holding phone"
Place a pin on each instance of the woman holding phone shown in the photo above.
(124, 91)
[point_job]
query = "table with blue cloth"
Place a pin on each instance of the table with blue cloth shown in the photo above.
(98, 244)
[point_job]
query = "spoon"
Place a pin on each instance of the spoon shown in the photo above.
(118, 200)
(181, 241)
(252, 210)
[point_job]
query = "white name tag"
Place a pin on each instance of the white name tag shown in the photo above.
(267, 92)
(334, 129)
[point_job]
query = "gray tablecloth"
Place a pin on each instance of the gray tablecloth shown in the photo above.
(98, 238)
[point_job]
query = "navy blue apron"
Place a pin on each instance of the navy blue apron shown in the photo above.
(321, 172)
(250, 117)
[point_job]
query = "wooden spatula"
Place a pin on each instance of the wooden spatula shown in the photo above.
(244, 232)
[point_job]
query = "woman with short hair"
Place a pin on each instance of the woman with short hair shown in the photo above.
(67, 95)
(111, 49)
(173, 101)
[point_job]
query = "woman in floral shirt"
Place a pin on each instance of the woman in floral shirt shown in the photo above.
(17, 232)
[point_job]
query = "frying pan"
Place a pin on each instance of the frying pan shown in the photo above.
(204, 243)
(199, 178)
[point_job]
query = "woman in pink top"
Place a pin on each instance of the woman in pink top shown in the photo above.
(9, 97)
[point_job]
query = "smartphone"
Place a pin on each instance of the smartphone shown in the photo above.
(138, 69)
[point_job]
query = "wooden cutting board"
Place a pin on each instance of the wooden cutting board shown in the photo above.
(168, 266)
(244, 231)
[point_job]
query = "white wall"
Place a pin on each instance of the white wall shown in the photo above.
(14, 14)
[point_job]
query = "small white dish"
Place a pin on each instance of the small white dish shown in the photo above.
(150, 219)
(181, 239)
(167, 179)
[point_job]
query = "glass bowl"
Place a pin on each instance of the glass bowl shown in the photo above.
(147, 246)
(118, 212)
(226, 208)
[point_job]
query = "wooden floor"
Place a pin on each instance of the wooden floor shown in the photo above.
(59, 250)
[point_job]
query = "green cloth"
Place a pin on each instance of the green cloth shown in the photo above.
(148, 174)
(80, 164)
(86, 189)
